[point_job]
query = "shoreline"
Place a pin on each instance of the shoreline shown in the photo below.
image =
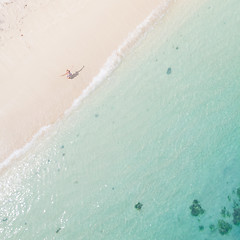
(87, 78)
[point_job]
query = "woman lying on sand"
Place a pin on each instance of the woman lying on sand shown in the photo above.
(68, 73)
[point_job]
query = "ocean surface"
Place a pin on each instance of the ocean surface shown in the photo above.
(162, 130)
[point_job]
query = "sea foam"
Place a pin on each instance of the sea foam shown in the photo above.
(20, 151)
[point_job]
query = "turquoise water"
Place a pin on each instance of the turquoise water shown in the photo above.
(162, 130)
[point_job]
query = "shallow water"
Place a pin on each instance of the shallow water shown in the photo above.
(162, 130)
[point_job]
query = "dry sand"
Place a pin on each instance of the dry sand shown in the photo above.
(41, 43)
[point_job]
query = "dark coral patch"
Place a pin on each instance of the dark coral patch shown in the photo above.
(196, 208)
(236, 216)
(225, 212)
(235, 204)
(138, 206)
(169, 71)
(201, 228)
(212, 227)
(224, 227)
(238, 192)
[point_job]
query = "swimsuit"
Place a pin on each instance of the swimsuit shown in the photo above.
(69, 75)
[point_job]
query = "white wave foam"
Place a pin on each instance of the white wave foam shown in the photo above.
(115, 59)
(22, 150)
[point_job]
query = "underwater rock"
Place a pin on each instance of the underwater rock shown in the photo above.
(224, 227)
(169, 71)
(235, 204)
(138, 206)
(5, 219)
(201, 228)
(62, 146)
(238, 192)
(96, 115)
(212, 227)
(236, 216)
(223, 212)
(196, 208)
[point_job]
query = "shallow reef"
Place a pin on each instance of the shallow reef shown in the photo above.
(236, 216)
(169, 71)
(138, 206)
(212, 227)
(238, 193)
(224, 227)
(201, 228)
(235, 204)
(225, 212)
(230, 215)
(196, 208)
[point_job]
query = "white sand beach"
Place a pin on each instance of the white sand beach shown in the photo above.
(145, 130)
(39, 41)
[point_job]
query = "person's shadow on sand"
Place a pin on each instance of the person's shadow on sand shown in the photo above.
(76, 73)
